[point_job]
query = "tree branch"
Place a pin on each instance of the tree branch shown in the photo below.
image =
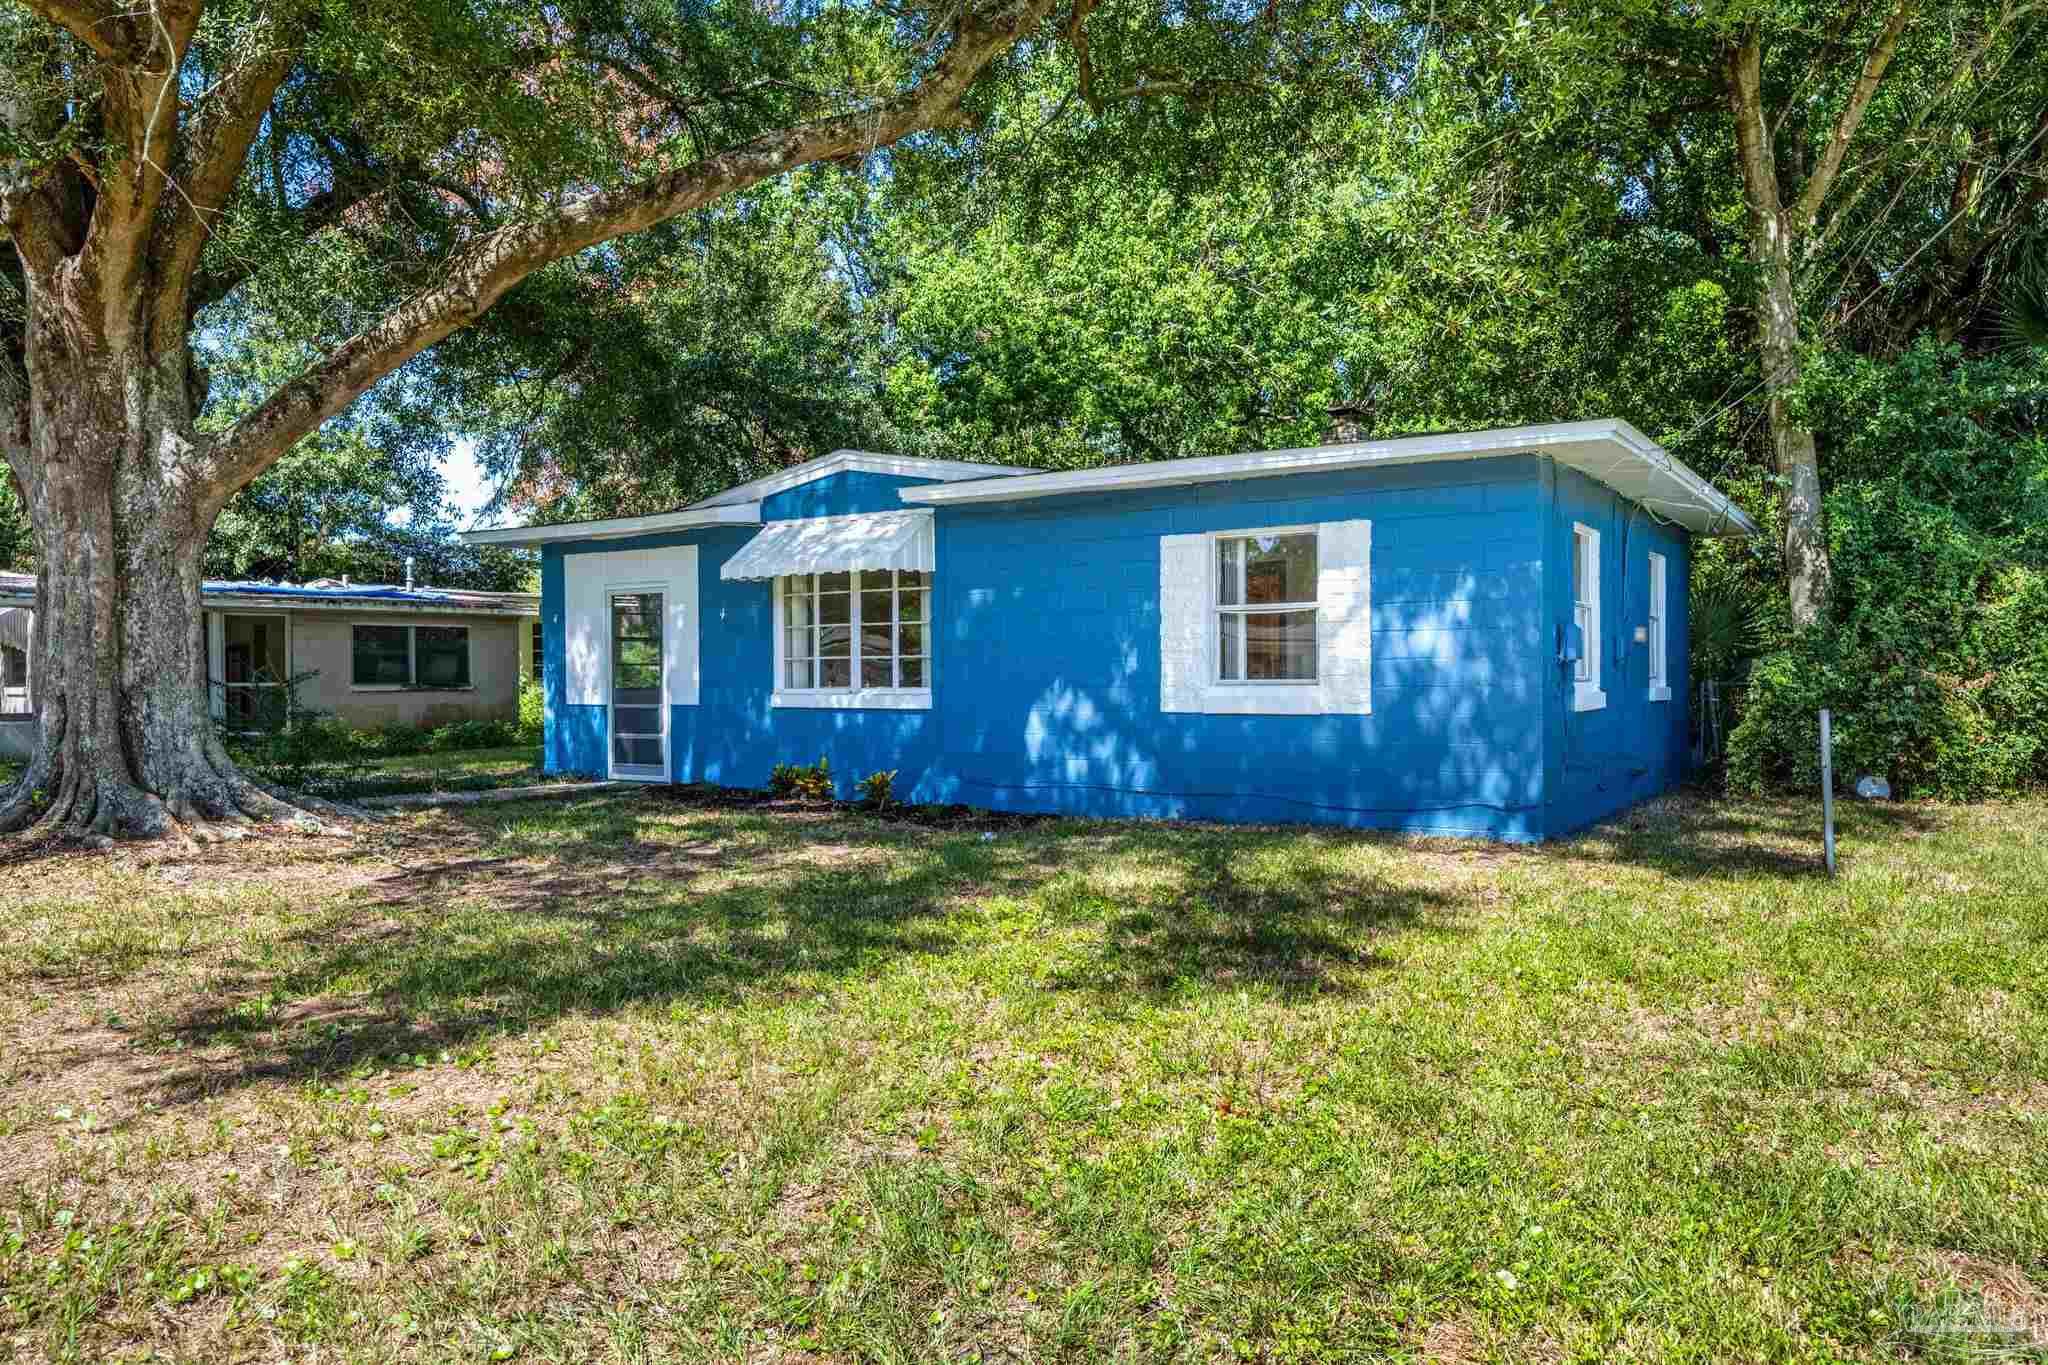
(490, 265)
(1882, 49)
(109, 31)
(213, 150)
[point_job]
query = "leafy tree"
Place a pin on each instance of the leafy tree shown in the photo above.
(355, 183)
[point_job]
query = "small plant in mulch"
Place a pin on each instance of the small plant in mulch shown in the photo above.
(812, 783)
(878, 788)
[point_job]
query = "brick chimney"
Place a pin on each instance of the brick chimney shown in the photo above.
(1349, 423)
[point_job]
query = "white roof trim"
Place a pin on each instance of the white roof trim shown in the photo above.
(1607, 449)
(859, 461)
(685, 519)
(867, 540)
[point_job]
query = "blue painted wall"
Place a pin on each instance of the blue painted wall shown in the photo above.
(1632, 748)
(1046, 662)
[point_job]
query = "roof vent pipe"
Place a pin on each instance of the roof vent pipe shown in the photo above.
(408, 573)
(1350, 423)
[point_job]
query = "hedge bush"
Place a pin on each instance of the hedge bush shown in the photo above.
(1933, 652)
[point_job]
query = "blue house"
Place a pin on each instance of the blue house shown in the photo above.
(1474, 633)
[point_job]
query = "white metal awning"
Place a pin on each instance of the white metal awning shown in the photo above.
(871, 540)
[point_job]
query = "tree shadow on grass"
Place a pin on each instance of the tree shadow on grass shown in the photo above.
(1694, 835)
(521, 917)
(625, 909)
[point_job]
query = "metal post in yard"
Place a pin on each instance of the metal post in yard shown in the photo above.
(1827, 788)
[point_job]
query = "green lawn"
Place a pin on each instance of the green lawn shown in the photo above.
(633, 1078)
(450, 771)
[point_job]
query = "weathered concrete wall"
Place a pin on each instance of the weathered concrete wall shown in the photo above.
(321, 642)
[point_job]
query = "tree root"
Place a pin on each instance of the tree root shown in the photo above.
(214, 803)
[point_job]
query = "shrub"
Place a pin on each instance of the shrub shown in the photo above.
(1933, 653)
(532, 711)
(472, 734)
(878, 788)
(813, 783)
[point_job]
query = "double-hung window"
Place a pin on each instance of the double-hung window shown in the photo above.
(1586, 693)
(1266, 608)
(395, 657)
(1660, 653)
(860, 638)
(1273, 621)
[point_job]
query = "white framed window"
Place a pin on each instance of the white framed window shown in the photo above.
(1269, 620)
(859, 639)
(1586, 693)
(1266, 605)
(392, 658)
(1660, 651)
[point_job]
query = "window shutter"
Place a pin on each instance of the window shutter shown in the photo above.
(1183, 620)
(1344, 616)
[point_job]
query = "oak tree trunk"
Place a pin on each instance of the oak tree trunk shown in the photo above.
(1793, 447)
(1778, 334)
(121, 512)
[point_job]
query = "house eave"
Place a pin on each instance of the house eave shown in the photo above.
(1603, 449)
(618, 528)
(861, 462)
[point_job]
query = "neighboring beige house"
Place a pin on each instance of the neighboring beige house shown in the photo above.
(377, 654)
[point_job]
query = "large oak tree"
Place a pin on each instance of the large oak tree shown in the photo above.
(361, 181)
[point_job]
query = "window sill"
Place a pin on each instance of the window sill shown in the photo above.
(1586, 697)
(401, 687)
(1660, 694)
(1263, 699)
(919, 699)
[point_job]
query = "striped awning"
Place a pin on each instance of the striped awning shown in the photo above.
(872, 540)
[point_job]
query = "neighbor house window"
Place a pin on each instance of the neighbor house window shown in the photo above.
(539, 654)
(854, 634)
(1660, 678)
(1586, 693)
(1266, 607)
(410, 656)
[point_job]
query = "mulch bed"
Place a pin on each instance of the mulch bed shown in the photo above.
(705, 796)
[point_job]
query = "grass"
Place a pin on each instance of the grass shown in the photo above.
(451, 770)
(454, 770)
(637, 1077)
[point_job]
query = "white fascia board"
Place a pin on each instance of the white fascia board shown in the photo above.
(856, 461)
(1692, 501)
(615, 528)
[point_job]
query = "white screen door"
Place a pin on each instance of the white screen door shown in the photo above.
(639, 717)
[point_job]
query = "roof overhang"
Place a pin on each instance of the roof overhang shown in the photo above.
(857, 461)
(868, 540)
(211, 599)
(1608, 450)
(616, 528)
(276, 602)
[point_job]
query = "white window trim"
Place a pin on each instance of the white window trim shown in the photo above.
(1660, 630)
(412, 660)
(852, 698)
(1343, 683)
(1264, 696)
(1586, 692)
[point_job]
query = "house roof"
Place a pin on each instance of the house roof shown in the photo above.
(615, 528)
(1608, 450)
(740, 505)
(860, 461)
(326, 594)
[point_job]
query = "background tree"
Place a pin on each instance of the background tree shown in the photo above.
(360, 182)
